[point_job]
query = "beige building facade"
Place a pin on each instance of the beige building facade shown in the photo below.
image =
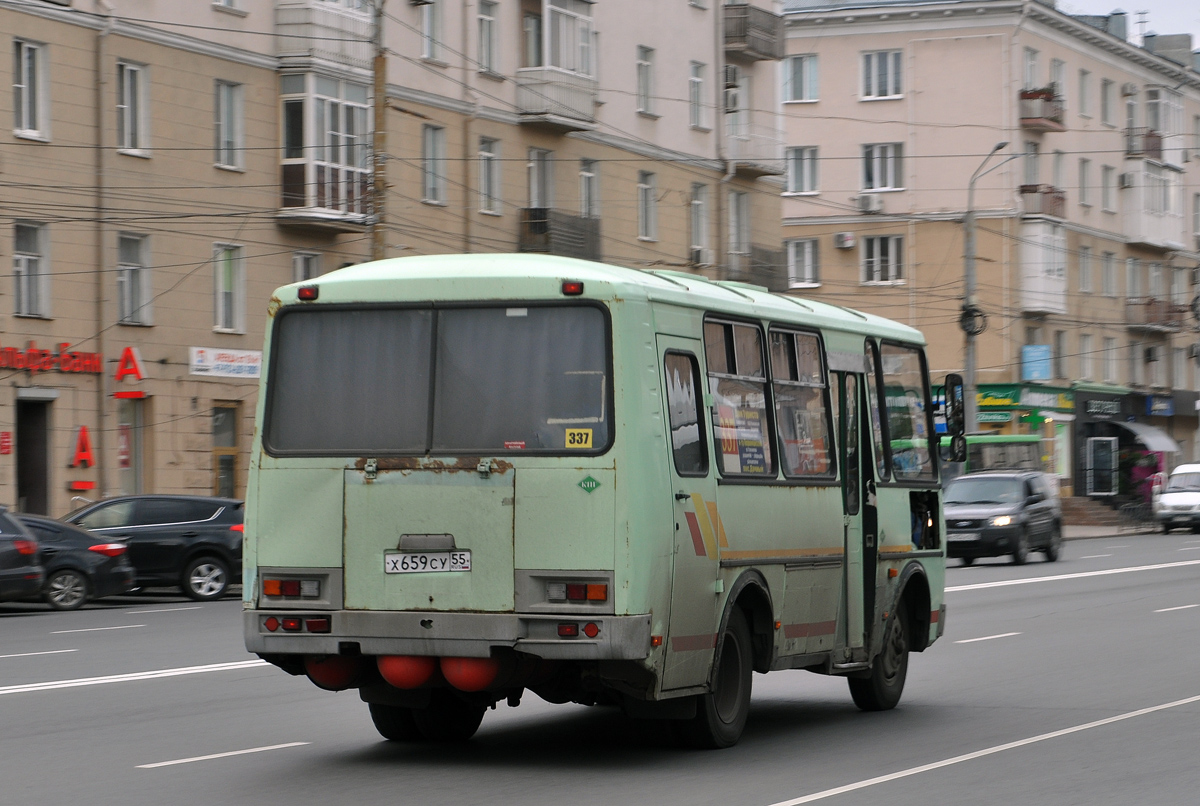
(169, 164)
(1087, 217)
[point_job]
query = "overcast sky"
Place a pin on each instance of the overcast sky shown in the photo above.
(1165, 17)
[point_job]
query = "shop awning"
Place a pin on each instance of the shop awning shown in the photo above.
(1153, 438)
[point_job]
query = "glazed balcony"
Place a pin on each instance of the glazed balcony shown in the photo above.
(1044, 200)
(1143, 142)
(556, 99)
(752, 33)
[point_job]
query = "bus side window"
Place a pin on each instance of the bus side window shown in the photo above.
(738, 383)
(801, 411)
(685, 414)
(874, 383)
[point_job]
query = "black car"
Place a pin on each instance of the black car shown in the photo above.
(80, 566)
(21, 573)
(998, 513)
(191, 541)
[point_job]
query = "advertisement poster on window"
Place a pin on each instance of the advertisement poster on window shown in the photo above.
(123, 446)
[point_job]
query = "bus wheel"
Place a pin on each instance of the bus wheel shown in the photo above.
(448, 718)
(721, 715)
(881, 689)
(394, 723)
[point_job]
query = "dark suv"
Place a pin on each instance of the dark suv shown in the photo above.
(999, 513)
(21, 572)
(191, 541)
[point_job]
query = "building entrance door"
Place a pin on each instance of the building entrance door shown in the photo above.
(33, 454)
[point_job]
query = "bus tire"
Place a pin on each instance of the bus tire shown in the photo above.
(395, 723)
(448, 718)
(721, 714)
(881, 689)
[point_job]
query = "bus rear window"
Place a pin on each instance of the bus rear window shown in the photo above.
(505, 379)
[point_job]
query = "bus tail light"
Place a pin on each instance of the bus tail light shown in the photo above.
(597, 593)
(470, 674)
(572, 288)
(576, 592)
(294, 588)
(292, 624)
(568, 630)
(308, 293)
(406, 671)
(591, 629)
(317, 624)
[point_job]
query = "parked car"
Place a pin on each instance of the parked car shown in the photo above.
(21, 572)
(191, 541)
(999, 513)
(79, 565)
(1178, 503)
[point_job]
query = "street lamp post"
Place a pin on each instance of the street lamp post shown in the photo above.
(972, 319)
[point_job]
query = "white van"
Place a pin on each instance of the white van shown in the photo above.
(1178, 503)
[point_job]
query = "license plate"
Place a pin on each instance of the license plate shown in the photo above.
(962, 537)
(425, 562)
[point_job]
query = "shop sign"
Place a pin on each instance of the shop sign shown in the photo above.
(1035, 362)
(1160, 407)
(130, 365)
(83, 456)
(37, 360)
(995, 396)
(1102, 409)
(5, 442)
(994, 416)
(1042, 399)
(225, 363)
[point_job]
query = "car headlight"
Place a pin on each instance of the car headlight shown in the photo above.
(1002, 520)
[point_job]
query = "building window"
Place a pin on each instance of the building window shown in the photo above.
(1133, 278)
(1085, 268)
(1162, 189)
(225, 449)
(433, 164)
(1108, 188)
(131, 96)
(29, 270)
(1196, 214)
(1136, 367)
(1031, 161)
(645, 80)
(487, 36)
(1110, 360)
(802, 169)
(1085, 91)
(696, 116)
(1179, 368)
(134, 290)
(1156, 280)
(305, 266)
(541, 177)
(698, 224)
(571, 39)
(431, 29)
(881, 74)
(589, 189)
(30, 90)
(647, 207)
(803, 265)
(1057, 167)
(1059, 356)
(1108, 274)
(800, 79)
(531, 40)
(1158, 365)
(1179, 285)
(228, 125)
(229, 288)
(1030, 76)
(326, 154)
(1106, 101)
(1085, 357)
(131, 444)
(489, 175)
(883, 166)
(739, 223)
(1057, 73)
(1085, 182)
(883, 259)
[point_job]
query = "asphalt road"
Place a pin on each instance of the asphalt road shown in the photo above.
(1080, 688)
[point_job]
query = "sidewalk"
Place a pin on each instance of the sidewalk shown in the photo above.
(1083, 532)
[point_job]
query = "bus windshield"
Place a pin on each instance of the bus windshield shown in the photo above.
(504, 379)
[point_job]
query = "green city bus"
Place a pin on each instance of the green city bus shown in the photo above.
(479, 475)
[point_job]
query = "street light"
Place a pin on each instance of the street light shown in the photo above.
(972, 320)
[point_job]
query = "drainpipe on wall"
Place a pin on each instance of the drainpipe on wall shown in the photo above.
(469, 97)
(101, 442)
(719, 59)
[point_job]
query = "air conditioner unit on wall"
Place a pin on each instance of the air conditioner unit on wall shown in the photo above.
(1193, 351)
(731, 76)
(1129, 88)
(870, 203)
(843, 240)
(699, 256)
(1125, 180)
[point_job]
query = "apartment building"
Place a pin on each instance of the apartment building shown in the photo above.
(171, 163)
(1079, 153)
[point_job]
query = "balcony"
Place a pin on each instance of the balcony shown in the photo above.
(554, 232)
(1154, 315)
(1144, 143)
(321, 196)
(314, 29)
(760, 266)
(754, 149)
(1041, 111)
(556, 99)
(1044, 200)
(752, 33)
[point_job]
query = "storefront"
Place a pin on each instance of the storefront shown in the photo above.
(1046, 411)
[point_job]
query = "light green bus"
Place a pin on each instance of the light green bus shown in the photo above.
(479, 475)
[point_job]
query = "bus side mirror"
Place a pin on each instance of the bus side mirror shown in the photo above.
(956, 417)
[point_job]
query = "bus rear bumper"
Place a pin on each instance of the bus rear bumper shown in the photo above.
(446, 634)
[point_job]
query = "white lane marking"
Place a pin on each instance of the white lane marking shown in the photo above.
(1181, 607)
(987, 638)
(1189, 548)
(1029, 580)
(30, 654)
(1094, 556)
(166, 610)
(1000, 748)
(1191, 541)
(98, 629)
(124, 678)
(220, 755)
(1118, 547)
